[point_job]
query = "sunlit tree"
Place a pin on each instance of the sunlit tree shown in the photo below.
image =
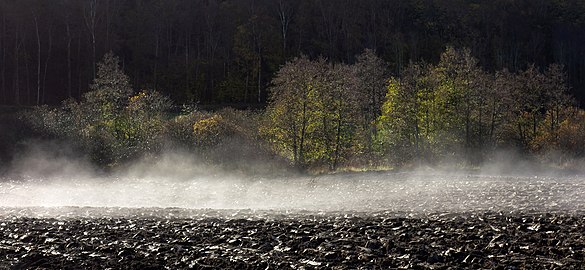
(406, 123)
(313, 114)
(292, 111)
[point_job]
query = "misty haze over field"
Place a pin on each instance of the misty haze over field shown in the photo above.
(180, 181)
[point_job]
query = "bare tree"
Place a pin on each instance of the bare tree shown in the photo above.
(68, 39)
(16, 79)
(3, 45)
(47, 61)
(285, 15)
(90, 14)
(36, 20)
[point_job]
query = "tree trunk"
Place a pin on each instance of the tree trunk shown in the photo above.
(417, 140)
(16, 82)
(534, 124)
(27, 75)
(521, 133)
(246, 88)
(91, 23)
(284, 16)
(467, 125)
(259, 78)
(169, 41)
(187, 73)
(294, 142)
(38, 101)
(303, 133)
(156, 49)
(337, 151)
(3, 67)
(93, 56)
(480, 139)
(108, 26)
(79, 73)
(198, 95)
(49, 51)
(493, 122)
(69, 87)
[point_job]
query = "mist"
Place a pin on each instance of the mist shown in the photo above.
(45, 177)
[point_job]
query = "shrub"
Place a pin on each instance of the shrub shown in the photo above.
(571, 135)
(562, 143)
(209, 131)
(109, 124)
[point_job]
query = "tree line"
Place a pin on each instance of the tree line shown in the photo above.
(326, 116)
(228, 51)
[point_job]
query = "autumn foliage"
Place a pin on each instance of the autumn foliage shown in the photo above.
(327, 116)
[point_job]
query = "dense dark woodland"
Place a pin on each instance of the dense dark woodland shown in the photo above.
(211, 51)
(341, 84)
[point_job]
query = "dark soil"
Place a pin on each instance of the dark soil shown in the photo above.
(304, 241)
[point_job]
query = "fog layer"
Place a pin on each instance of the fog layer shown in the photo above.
(180, 181)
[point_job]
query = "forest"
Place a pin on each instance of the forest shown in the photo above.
(227, 51)
(375, 85)
(325, 117)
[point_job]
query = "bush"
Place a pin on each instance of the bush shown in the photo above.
(109, 124)
(227, 124)
(563, 143)
(209, 131)
(571, 135)
(179, 129)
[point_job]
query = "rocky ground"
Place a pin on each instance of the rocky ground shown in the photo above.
(483, 240)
